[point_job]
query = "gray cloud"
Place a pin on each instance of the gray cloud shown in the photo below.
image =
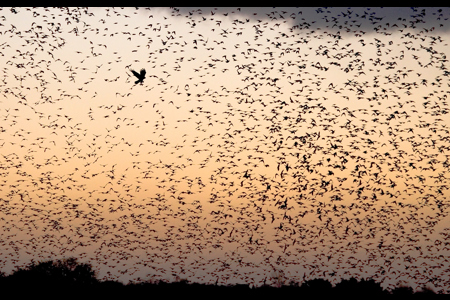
(369, 20)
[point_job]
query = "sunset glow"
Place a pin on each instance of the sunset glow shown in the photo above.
(262, 145)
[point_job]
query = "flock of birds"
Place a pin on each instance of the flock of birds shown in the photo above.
(253, 146)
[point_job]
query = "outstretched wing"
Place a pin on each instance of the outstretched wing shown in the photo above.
(136, 73)
(142, 73)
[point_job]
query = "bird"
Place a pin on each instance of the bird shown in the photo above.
(140, 76)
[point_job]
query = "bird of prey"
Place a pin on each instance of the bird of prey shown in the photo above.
(140, 76)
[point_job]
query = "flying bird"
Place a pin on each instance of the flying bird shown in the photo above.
(140, 76)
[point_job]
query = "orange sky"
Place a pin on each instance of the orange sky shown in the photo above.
(262, 140)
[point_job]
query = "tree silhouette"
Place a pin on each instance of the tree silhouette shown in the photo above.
(318, 286)
(62, 276)
(54, 274)
(353, 287)
(402, 290)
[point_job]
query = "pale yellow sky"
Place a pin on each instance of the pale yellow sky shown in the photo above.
(273, 137)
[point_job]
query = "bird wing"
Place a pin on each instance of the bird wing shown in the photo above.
(142, 73)
(135, 73)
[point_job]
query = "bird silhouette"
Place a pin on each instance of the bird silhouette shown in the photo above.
(140, 76)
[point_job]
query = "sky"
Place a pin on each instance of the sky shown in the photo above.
(264, 145)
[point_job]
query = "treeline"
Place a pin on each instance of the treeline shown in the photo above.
(70, 278)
